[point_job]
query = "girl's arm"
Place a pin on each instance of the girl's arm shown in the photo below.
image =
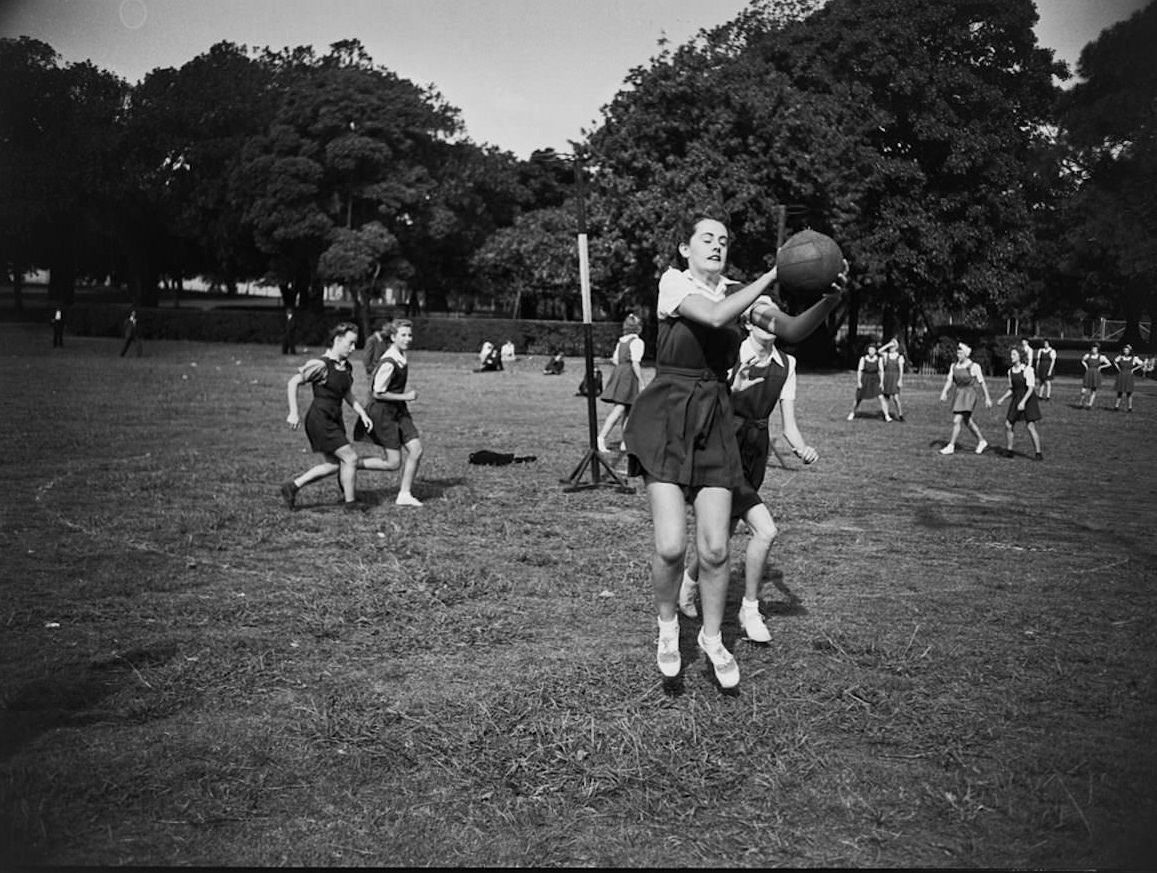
(357, 407)
(947, 385)
(291, 391)
(638, 374)
(1007, 393)
(860, 373)
(979, 374)
(1105, 362)
(797, 328)
(900, 381)
(382, 381)
(717, 313)
(791, 433)
(1029, 385)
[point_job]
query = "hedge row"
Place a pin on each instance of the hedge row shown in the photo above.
(239, 325)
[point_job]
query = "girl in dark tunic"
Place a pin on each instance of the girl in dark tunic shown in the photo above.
(1093, 362)
(394, 429)
(761, 378)
(1024, 405)
(332, 380)
(869, 373)
(1127, 365)
(626, 379)
(680, 435)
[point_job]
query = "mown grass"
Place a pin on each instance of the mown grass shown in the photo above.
(961, 672)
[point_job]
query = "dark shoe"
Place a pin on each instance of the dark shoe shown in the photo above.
(1038, 457)
(289, 493)
(354, 506)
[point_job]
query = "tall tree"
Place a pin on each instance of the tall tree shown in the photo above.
(59, 135)
(185, 132)
(349, 143)
(1110, 123)
(907, 132)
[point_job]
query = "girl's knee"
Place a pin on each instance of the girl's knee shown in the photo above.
(713, 553)
(414, 447)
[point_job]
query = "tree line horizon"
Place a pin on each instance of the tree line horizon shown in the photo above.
(931, 141)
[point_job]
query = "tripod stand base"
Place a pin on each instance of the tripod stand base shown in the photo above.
(594, 460)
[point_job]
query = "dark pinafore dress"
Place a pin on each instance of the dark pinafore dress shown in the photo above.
(623, 386)
(891, 376)
(751, 407)
(1018, 384)
(680, 429)
(1092, 379)
(323, 422)
(1043, 360)
(869, 379)
(964, 400)
(1125, 381)
(393, 426)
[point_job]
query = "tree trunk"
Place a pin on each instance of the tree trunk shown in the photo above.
(62, 276)
(18, 287)
(851, 353)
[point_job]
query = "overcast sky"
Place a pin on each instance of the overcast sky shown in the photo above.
(525, 74)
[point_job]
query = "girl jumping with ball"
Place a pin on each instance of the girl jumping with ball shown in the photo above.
(680, 437)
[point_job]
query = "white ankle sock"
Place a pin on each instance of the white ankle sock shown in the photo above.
(750, 604)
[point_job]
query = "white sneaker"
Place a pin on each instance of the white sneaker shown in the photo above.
(726, 670)
(981, 446)
(948, 449)
(753, 626)
(408, 500)
(851, 416)
(687, 589)
(667, 656)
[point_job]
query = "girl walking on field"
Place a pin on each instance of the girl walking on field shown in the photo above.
(1024, 405)
(1093, 362)
(964, 376)
(1046, 362)
(332, 380)
(626, 379)
(1127, 366)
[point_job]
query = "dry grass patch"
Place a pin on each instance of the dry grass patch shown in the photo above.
(961, 672)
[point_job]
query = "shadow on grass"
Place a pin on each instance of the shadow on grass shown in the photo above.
(68, 697)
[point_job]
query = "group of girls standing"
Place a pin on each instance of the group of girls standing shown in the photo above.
(1127, 365)
(880, 376)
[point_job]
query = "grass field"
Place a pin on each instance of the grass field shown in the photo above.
(962, 670)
